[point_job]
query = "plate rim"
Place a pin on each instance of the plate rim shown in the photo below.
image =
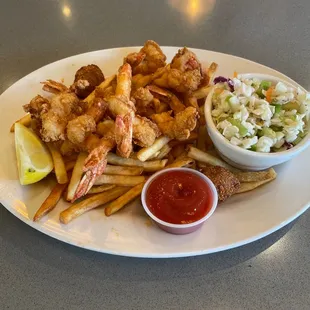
(222, 248)
(63, 238)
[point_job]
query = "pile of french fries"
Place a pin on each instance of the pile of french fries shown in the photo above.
(123, 178)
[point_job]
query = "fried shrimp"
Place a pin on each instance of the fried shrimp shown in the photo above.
(143, 130)
(54, 114)
(54, 87)
(178, 127)
(184, 74)
(79, 128)
(121, 114)
(63, 108)
(143, 101)
(36, 106)
(147, 60)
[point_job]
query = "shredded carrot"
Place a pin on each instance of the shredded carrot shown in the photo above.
(269, 93)
(235, 74)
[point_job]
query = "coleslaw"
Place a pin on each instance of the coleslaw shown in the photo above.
(258, 116)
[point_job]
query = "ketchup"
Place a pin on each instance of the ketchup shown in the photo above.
(179, 197)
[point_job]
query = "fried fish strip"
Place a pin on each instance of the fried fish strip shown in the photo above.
(224, 181)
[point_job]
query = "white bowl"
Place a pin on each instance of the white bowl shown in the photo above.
(245, 159)
(179, 229)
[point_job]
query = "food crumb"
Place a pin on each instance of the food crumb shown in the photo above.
(148, 223)
(115, 231)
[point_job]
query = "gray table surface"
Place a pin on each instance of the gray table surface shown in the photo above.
(38, 272)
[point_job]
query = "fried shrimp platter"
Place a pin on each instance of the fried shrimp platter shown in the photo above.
(108, 134)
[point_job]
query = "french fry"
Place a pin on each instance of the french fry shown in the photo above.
(50, 202)
(121, 180)
(202, 119)
(69, 165)
(59, 165)
(191, 165)
(208, 74)
(177, 150)
(76, 176)
(192, 138)
(106, 83)
(145, 153)
(121, 201)
(202, 137)
(67, 148)
(133, 155)
(100, 188)
(174, 102)
(191, 101)
(170, 159)
(25, 120)
(160, 106)
(209, 159)
(71, 157)
(211, 71)
(140, 80)
(159, 72)
(181, 162)
(90, 203)
(182, 155)
(249, 186)
(154, 165)
(148, 166)
(164, 151)
(202, 92)
(119, 170)
(202, 142)
(256, 176)
(154, 156)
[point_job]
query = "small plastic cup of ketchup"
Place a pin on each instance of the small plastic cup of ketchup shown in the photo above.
(179, 200)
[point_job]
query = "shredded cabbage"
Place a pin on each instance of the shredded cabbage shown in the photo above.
(243, 115)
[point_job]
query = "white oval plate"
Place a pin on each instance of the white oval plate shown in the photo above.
(242, 219)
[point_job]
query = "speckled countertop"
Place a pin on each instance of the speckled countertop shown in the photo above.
(38, 272)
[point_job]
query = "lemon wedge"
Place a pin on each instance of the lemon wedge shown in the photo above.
(34, 161)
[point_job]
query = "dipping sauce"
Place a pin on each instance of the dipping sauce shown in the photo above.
(179, 197)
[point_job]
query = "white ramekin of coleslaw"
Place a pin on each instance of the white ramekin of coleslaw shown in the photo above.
(257, 121)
